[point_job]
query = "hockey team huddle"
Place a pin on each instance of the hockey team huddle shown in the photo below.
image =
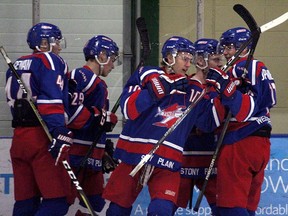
(74, 105)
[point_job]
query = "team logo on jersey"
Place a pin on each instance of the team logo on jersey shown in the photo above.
(169, 115)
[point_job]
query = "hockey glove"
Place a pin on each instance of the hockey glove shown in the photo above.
(160, 86)
(104, 118)
(222, 83)
(61, 143)
(108, 162)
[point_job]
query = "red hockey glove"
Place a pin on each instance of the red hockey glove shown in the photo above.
(160, 86)
(221, 81)
(61, 143)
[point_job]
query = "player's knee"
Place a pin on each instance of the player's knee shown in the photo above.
(97, 202)
(55, 207)
(161, 207)
(116, 210)
(233, 211)
(26, 207)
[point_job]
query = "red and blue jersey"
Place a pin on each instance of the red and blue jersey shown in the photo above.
(199, 149)
(90, 91)
(148, 120)
(44, 76)
(251, 104)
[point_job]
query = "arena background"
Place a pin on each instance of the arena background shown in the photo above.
(80, 20)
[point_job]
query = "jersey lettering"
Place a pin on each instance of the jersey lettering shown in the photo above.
(266, 75)
(60, 82)
(133, 88)
(194, 95)
(78, 98)
(23, 65)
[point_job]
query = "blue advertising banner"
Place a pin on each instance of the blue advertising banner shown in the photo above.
(273, 195)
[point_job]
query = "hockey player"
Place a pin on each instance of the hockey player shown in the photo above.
(89, 107)
(152, 100)
(41, 184)
(200, 146)
(246, 146)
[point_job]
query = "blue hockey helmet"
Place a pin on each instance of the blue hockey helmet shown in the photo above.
(177, 44)
(236, 36)
(98, 44)
(207, 46)
(43, 31)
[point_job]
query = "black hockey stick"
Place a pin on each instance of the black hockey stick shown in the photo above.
(146, 157)
(256, 31)
(231, 61)
(44, 126)
(144, 39)
(146, 49)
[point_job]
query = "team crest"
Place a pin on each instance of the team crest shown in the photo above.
(169, 115)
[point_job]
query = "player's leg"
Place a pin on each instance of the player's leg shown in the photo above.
(262, 145)
(122, 190)
(92, 183)
(163, 191)
(26, 192)
(55, 207)
(26, 207)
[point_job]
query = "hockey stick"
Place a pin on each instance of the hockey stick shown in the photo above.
(231, 61)
(44, 126)
(256, 31)
(144, 38)
(146, 157)
(146, 49)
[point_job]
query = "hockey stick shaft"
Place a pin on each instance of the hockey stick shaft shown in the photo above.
(145, 159)
(45, 128)
(144, 38)
(256, 31)
(231, 61)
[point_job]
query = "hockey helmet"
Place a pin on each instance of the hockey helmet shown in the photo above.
(44, 31)
(236, 36)
(98, 44)
(177, 44)
(207, 46)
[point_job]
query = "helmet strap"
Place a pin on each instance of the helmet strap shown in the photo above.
(205, 66)
(167, 63)
(246, 54)
(101, 64)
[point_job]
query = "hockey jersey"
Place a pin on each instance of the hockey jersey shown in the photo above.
(252, 102)
(148, 120)
(198, 149)
(44, 76)
(89, 91)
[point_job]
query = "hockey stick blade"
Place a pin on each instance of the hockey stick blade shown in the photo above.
(254, 28)
(144, 37)
(244, 13)
(146, 50)
(246, 16)
(274, 22)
